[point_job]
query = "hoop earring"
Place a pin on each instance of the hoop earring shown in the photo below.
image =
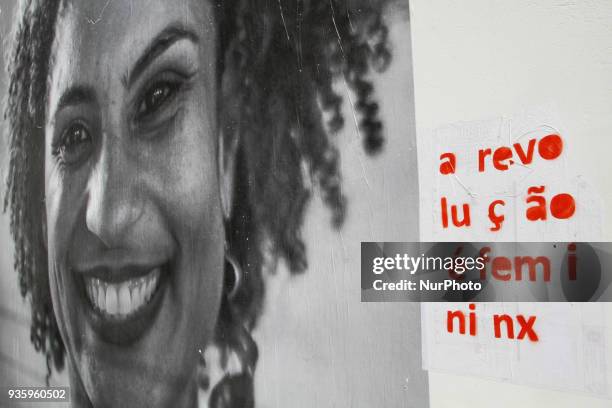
(232, 279)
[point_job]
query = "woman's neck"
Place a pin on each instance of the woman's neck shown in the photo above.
(79, 398)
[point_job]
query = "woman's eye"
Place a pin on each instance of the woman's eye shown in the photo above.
(155, 97)
(74, 145)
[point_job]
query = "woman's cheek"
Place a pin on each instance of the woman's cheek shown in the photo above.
(64, 198)
(189, 171)
(65, 203)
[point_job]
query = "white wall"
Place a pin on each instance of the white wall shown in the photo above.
(491, 60)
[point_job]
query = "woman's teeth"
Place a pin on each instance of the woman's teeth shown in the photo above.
(122, 298)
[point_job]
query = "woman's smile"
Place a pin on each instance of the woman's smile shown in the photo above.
(123, 304)
(120, 300)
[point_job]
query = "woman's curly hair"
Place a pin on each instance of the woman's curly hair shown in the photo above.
(287, 55)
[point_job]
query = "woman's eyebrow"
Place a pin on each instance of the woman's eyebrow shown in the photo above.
(76, 95)
(160, 43)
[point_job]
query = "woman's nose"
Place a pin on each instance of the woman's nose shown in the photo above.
(113, 205)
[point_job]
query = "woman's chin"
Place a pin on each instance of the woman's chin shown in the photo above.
(117, 388)
(134, 378)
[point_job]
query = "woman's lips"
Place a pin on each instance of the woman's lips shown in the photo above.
(122, 307)
(121, 299)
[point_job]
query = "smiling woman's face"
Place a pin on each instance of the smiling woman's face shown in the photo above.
(134, 220)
